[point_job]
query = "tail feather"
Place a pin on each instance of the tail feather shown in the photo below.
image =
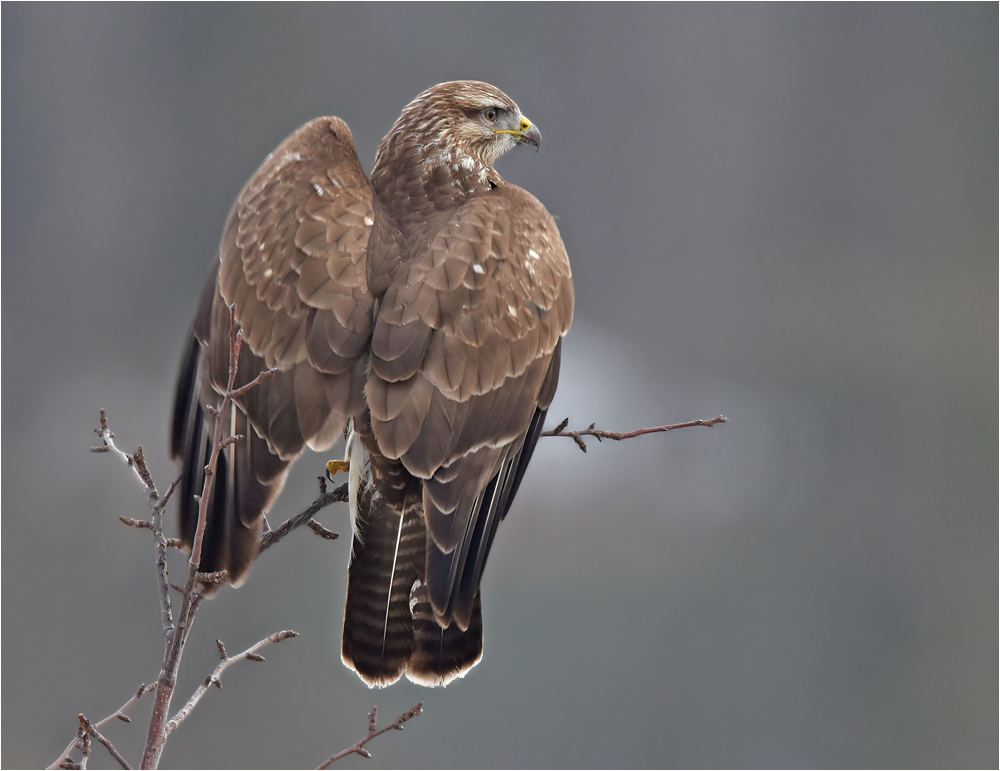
(441, 655)
(389, 624)
(378, 627)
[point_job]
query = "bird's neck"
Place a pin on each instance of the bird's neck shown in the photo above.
(422, 179)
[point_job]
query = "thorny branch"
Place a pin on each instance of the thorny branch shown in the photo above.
(617, 436)
(359, 747)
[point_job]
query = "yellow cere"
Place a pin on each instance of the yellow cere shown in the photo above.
(525, 125)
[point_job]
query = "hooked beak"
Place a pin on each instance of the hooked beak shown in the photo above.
(527, 133)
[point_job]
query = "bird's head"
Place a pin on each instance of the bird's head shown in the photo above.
(466, 124)
(480, 120)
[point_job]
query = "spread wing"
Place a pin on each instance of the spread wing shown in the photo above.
(293, 261)
(464, 364)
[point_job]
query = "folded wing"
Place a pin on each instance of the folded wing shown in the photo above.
(464, 365)
(292, 260)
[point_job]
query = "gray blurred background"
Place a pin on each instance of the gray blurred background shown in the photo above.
(784, 214)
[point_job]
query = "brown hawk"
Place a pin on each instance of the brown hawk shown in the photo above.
(422, 310)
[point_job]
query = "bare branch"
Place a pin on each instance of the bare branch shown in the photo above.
(64, 758)
(271, 537)
(217, 577)
(321, 531)
(618, 436)
(140, 523)
(109, 446)
(90, 729)
(170, 491)
(159, 727)
(359, 747)
(84, 747)
(137, 463)
(243, 389)
(216, 677)
(231, 440)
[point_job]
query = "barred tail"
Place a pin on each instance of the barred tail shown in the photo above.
(389, 624)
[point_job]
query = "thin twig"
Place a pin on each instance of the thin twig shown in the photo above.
(216, 677)
(170, 633)
(243, 389)
(359, 747)
(618, 436)
(139, 523)
(87, 726)
(137, 463)
(119, 714)
(321, 531)
(216, 577)
(84, 747)
(271, 537)
(170, 491)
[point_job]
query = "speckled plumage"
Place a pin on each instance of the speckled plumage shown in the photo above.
(426, 305)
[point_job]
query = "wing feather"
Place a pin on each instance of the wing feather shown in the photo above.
(293, 261)
(477, 315)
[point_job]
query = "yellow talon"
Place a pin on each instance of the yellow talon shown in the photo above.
(335, 466)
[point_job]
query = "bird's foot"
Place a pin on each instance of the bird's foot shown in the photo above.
(334, 467)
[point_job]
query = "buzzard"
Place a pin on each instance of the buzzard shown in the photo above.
(421, 311)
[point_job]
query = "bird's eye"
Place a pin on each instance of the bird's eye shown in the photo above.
(491, 114)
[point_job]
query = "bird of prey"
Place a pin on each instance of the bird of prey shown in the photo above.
(421, 311)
